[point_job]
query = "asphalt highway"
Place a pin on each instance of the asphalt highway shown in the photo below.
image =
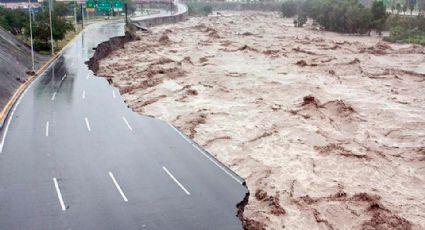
(73, 156)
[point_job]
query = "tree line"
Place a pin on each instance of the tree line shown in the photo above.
(352, 16)
(398, 6)
(346, 16)
(16, 21)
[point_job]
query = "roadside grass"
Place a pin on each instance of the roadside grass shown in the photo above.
(68, 37)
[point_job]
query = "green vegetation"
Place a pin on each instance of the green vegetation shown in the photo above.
(348, 16)
(290, 8)
(351, 16)
(406, 36)
(398, 6)
(17, 22)
(13, 20)
(300, 20)
(421, 5)
(201, 11)
(68, 37)
(406, 29)
(379, 16)
(41, 28)
(411, 5)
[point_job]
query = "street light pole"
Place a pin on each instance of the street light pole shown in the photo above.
(32, 47)
(75, 13)
(82, 16)
(126, 19)
(51, 27)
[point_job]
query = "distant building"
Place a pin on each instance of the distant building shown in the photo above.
(16, 4)
(16, 1)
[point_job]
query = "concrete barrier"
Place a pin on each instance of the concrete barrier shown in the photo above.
(237, 6)
(181, 15)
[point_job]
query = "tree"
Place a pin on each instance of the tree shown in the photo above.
(62, 9)
(379, 15)
(398, 7)
(404, 8)
(289, 9)
(13, 20)
(342, 16)
(421, 5)
(357, 20)
(207, 10)
(411, 4)
(41, 26)
(300, 20)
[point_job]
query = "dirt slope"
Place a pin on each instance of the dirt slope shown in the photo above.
(327, 129)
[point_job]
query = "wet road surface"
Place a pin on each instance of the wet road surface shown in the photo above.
(73, 156)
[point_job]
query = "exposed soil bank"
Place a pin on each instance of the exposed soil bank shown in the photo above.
(327, 129)
(106, 47)
(248, 224)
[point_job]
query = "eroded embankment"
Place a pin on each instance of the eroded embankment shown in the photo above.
(106, 47)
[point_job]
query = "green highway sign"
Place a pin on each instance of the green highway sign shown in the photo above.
(117, 5)
(90, 4)
(103, 6)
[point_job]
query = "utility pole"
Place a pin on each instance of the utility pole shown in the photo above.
(51, 28)
(32, 47)
(126, 19)
(111, 12)
(82, 16)
(75, 13)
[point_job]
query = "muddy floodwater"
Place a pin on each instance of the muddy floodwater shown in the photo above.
(327, 129)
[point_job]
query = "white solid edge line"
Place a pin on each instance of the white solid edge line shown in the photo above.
(126, 122)
(118, 187)
(84, 94)
(11, 118)
(206, 155)
(58, 191)
(175, 180)
(53, 96)
(113, 94)
(87, 124)
(47, 129)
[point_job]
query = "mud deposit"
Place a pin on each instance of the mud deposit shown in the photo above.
(327, 129)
